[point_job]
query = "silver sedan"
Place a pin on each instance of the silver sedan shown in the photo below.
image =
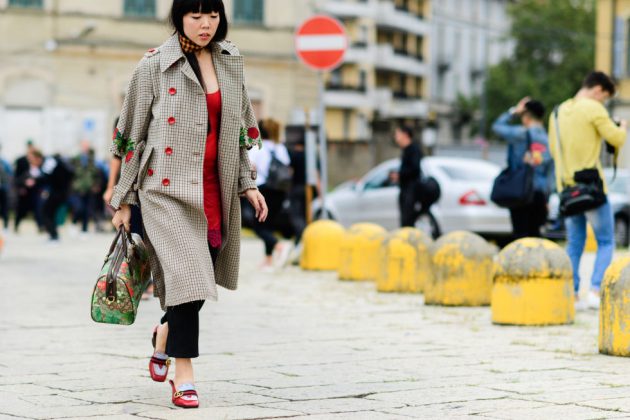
(464, 204)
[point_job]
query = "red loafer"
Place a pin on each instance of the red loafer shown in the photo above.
(184, 399)
(158, 368)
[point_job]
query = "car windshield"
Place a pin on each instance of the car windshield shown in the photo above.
(468, 173)
(379, 179)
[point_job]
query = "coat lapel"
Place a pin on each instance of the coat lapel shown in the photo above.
(229, 70)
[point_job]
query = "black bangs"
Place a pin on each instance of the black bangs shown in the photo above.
(182, 7)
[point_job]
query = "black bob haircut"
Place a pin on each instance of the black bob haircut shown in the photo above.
(598, 78)
(182, 7)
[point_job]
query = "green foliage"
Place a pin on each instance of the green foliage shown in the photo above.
(554, 50)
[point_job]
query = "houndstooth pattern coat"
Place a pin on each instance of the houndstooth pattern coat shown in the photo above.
(161, 137)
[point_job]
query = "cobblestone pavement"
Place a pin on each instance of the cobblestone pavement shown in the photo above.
(288, 345)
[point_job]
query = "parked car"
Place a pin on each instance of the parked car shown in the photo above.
(464, 204)
(619, 197)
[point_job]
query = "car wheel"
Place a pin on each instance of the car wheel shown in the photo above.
(622, 238)
(427, 224)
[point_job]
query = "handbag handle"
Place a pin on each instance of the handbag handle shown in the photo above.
(110, 288)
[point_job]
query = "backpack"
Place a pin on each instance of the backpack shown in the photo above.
(280, 175)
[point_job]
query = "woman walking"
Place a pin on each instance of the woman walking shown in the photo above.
(183, 135)
(262, 160)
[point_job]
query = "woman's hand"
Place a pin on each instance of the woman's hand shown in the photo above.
(257, 200)
(122, 217)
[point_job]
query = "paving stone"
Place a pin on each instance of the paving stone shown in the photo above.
(572, 412)
(334, 405)
(291, 344)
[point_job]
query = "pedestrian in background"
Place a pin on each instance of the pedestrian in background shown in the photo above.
(187, 175)
(55, 180)
(271, 157)
(528, 145)
(85, 186)
(582, 123)
(6, 174)
(408, 176)
(28, 192)
(297, 193)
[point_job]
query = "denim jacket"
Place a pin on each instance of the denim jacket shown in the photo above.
(516, 137)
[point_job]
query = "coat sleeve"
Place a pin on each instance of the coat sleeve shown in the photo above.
(250, 137)
(130, 134)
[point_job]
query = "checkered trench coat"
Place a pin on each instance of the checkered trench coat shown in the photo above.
(161, 137)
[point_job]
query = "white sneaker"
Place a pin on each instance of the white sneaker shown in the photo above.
(593, 300)
(282, 256)
(581, 305)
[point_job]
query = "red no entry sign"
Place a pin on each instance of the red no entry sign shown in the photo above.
(321, 42)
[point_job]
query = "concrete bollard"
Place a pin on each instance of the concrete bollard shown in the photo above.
(533, 284)
(359, 259)
(614, 312)
(405, 262)
(462, 271)
(322, 243)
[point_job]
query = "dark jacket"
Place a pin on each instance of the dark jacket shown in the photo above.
(410, 166)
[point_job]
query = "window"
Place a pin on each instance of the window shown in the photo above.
(140, 8)
(30, 4)
(249, 11)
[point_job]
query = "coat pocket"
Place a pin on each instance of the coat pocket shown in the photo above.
(144, 165)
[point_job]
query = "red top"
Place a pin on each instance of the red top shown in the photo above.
(211, 186)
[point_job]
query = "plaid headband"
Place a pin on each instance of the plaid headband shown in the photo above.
(187, 45)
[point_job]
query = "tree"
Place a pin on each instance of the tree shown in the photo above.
(554, 50)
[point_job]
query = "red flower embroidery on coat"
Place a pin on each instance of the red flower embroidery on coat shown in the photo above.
(129, 156)
(253, 133)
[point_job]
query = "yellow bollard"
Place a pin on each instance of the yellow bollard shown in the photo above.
(614, 312)
(462, 271)
(405, 262)
(322, 243)
(591, 242)
(533, 284)
(360, 252)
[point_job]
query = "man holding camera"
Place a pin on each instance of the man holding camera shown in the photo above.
(582, 123)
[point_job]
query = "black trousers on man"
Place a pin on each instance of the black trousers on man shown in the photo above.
(51, 207)
(4, 207)
(407, 205)
(527, 220)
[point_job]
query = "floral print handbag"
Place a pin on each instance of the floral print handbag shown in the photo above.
(123, 278)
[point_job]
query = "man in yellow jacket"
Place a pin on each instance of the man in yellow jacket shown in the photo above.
(583, 122)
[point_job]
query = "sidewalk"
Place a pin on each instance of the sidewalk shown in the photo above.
(288, 345)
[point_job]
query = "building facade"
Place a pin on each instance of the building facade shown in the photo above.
(612, 55)
(467, 37)
(65, 65)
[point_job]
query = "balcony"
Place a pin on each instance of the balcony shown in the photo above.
(347, 96)
(392, 104)
(359, 52)
(389, 16)
(388, 59)
(349, 9)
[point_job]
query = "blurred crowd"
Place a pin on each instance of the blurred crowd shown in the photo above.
(52, 187)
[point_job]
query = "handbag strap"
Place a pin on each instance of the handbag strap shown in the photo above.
(110, 283)
(560, 162)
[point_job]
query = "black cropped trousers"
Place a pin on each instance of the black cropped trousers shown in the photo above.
(183, 325)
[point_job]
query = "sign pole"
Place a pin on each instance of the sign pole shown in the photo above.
(310, 166)
(323, 147)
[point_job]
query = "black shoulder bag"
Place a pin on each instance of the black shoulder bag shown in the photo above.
(588, 191)
(514, 187)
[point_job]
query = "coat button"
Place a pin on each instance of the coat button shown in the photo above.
(171, 121)
(168, 151)
(150, 172)
(194, 181)
(166, 182)
(172, 91)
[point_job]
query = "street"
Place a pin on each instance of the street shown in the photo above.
(287, 345)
